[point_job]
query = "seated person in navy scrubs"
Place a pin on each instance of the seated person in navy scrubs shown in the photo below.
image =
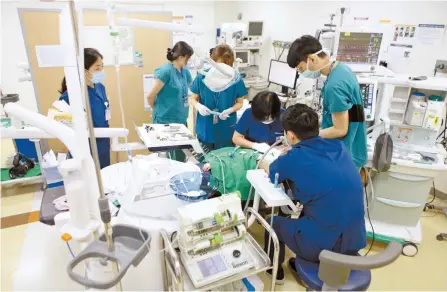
(94, 75)
(328, 185)
(260, 126)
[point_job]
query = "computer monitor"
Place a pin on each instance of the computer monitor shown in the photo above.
(359, 49)
(255, 28)
(243, 55)
(280, 73)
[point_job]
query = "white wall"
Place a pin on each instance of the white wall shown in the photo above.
(13, 48)
(289, 20)
(13, 52)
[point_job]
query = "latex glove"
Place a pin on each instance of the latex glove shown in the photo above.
(261, 147)
(206, 167)
(203, 110)
(226, 113)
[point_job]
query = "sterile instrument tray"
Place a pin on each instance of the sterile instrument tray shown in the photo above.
(47, 209)
(176, 271)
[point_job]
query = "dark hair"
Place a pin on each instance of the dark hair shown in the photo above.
(180, 49)
(301, 48)
(266, 104)
(301, 120)
(90, 57)
(223, 52)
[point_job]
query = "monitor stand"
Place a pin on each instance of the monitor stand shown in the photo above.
(284, 90)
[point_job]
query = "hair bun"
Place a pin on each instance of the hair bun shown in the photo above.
(169, 51)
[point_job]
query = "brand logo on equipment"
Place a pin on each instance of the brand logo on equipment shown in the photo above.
(235, 266)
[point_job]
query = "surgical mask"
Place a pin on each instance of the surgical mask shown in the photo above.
(313, 74)
(268, 121)
(97, 77)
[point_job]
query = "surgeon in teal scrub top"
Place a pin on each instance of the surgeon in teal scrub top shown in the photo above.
(169, 93)
(343, 113)
(216, 131)
(99, 102)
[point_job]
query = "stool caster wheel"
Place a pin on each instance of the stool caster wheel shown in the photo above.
(409, 249)
(440, 237)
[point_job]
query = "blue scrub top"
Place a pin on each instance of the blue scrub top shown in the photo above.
(329, 186)
(99, 104)
(222, 132)
(258, 132)
(171, 104)
(341, 91)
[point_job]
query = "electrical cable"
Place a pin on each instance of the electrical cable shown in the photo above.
(367, 210)
(71, 251)
(222, 169)
(280, 55)
(434, 194)
(372, 227)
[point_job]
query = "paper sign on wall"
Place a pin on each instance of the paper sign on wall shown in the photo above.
(148, 79)
(404, 32)
(431, 34)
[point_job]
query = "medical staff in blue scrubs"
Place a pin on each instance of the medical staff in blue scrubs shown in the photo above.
(260, 126)
(168, 96)
(329, 186)
(100, 109)
(216, 131)
(343, 113)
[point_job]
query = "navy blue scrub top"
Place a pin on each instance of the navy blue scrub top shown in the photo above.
(222, 131)
(98, 102)
(329, 186)
(258, 132)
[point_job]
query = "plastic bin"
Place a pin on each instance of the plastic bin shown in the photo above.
(52, 175)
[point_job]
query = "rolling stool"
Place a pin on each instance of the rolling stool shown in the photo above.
(343, 272)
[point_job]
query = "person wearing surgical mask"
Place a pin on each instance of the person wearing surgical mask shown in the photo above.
(343, 113)
(260, 126)
(168, 96)
(94, 76)
(214, 92)
(327, 184)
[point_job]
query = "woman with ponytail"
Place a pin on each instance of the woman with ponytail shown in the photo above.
(168, 96)
(213, 91)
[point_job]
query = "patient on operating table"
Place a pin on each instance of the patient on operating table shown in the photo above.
(329, 186)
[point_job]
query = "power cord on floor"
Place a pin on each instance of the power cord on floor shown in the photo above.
(427, 205)
(372, 227)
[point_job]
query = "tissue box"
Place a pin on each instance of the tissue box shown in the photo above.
(63, 117)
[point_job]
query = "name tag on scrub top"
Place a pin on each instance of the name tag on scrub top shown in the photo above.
(185, 101)
(108, 114)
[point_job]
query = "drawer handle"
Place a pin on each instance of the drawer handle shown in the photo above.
(398, 203)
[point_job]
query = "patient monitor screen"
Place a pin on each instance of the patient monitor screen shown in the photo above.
(280, 73)
(212, 266)
(359, 47)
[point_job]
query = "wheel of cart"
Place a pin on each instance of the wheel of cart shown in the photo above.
(176, 278)
(441, 236)
(410, 249)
